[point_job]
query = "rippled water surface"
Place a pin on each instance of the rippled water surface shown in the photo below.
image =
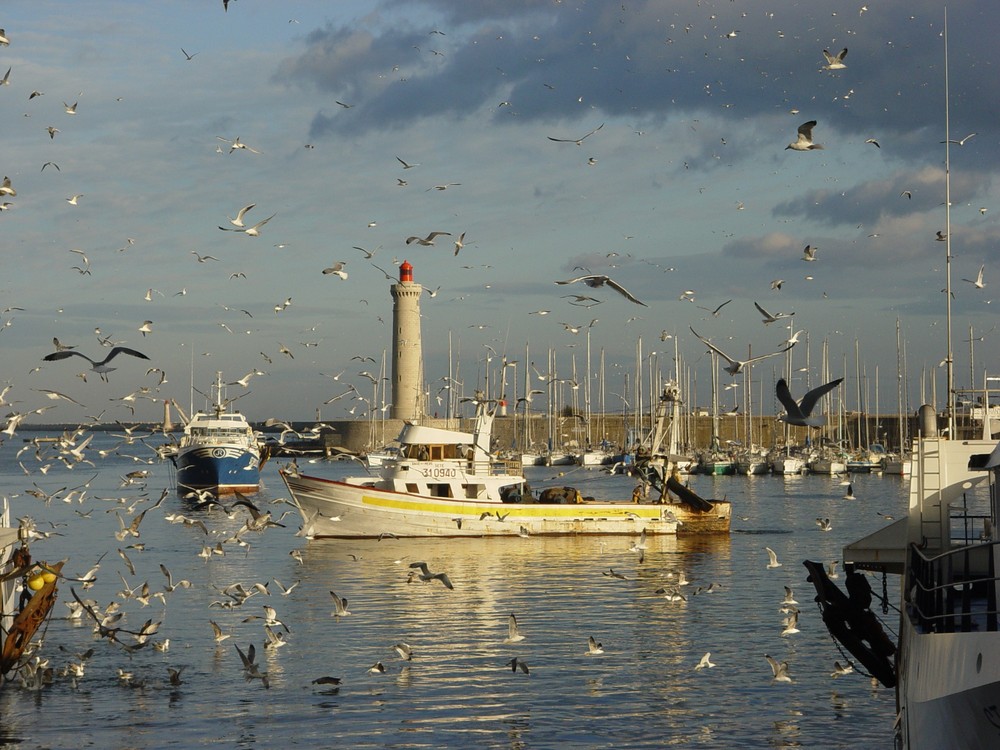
(458, 690)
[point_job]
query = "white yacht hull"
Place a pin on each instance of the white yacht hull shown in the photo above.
(950, 685)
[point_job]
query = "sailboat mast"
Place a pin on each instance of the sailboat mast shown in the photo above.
(949, 360)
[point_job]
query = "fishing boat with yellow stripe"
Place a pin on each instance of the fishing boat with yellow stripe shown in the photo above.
(447, 483)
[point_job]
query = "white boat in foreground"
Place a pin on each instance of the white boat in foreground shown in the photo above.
(447, 484)
(946, 664)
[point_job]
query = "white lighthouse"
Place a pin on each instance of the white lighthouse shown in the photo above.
(407, 358)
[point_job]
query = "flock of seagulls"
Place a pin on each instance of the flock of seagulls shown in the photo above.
(108, 624)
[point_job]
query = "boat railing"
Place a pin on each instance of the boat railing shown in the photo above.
(504, 466)
(955, 591)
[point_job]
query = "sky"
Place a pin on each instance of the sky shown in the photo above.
(682, 192)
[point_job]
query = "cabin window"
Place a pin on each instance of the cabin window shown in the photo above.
(439, 490)
(475, 490)
(437, 452)
(412, 488)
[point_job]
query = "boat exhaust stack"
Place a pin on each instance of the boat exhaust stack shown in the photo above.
(927, 421)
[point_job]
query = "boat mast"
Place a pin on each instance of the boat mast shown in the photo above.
(949, 360)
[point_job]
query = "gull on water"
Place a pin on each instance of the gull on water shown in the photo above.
(593, 647)
(404, 651)
(834, 62)
(339, 606)
(800, 412)
(250, 669)
(98, 367)
(791, 624)
(736, 366)
(598, 280)
(779, 670)
(513, 632)
(840, 670)
(516, 664)
(804, 142)
(705, 662)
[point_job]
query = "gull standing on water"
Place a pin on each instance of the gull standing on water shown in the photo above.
(800, 412)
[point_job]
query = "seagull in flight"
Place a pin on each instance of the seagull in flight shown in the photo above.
(405, 164)
(772, 558)
(238, 221)
(426, 575)
(834, 62)
(428, 240)
(577, 141)
(809, 253)
(961, 142)
(253, 231)
(597, 280)
(800, 412)
(768, 318)
(978, 281)
(98, 367)
(735, 366)
(237, 144)
(804, 142)
(715, 312)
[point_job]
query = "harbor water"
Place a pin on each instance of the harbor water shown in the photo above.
(458, 690)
